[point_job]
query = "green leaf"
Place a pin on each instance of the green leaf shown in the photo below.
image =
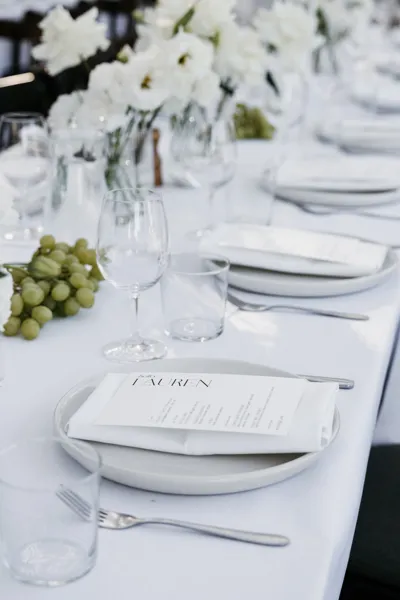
(184, 21)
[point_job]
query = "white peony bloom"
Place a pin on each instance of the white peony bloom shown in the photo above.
(67, 42)
(6, 291)
(207, 90)
(291, 30)
(209, 16)
(100, 111)
(63, 111)
(240, 56)
(113, 79)
(149, 83)
(187, 59)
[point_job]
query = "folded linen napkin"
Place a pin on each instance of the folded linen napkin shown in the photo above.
(311, 429)
(294, 250)
(340, 174)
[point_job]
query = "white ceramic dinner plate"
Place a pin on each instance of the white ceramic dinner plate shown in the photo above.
(307, 286)
(187, 475)
(336, 199)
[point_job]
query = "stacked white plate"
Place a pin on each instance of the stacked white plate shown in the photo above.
(378, 93)
(299, 263)
(338, 181)
(380, 135)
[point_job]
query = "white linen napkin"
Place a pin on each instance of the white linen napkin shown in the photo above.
(311, 429)
(340, 174)
(294, 250)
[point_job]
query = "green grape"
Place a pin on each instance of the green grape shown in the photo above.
(81, 243)
(17, 305)
(32, 295)
(71, 259)
(91, 257)
(96, 273)
(27, 281)
(58, 255)
(95, 283)
(71, 307)
(90, 285)
(42, 314)
(48, 242)
(83, 255)
(43, 267)
(85, 297)
(12, 326)
(50, 303)
(45, 286)
(18, 274)
(77, 280)
(62, 246)
(60, 292)
(30, 329)
(78, 268)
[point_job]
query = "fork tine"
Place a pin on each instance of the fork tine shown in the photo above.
(76, 503)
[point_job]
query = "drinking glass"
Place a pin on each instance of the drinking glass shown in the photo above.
(132, 253)
(205, 151)
(44, 542)
(194, 290)
(25, 163)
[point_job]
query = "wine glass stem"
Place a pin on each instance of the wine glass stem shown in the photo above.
(211, 195)
(135, 335)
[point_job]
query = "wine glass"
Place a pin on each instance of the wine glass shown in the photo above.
(25, 165)
(132, 254)
(205, 150)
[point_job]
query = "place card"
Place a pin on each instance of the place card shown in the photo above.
(204, 402)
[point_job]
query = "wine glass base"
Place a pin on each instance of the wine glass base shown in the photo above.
(130, 352)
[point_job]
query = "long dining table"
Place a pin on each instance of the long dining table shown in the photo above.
(317, 509)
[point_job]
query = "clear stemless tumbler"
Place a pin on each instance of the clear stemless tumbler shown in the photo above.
(194, 291)
(44, 542)
(132, 254)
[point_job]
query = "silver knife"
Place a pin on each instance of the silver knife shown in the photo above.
(344, 384)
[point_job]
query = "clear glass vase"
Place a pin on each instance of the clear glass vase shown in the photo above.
(78, 184)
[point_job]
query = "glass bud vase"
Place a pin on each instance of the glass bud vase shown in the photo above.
(78, 184)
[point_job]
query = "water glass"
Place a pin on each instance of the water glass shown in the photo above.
(194, 291)
(44, 542)
(25, 165)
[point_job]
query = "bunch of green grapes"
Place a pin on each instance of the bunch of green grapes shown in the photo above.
(58, 282)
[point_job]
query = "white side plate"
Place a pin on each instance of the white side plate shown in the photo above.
(307, 286)
(188, 475)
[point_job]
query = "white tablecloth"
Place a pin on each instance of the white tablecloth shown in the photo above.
(317, 509)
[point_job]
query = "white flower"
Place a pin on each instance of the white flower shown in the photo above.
(112, 78)
(207, 90)
(67, 42)
(149, 82)
(210, 15)
(186, 59)
(6, 291)
(63, 111)
(240, 55)
(99, 111)
(291, 30)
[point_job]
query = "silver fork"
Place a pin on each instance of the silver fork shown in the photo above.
(114, 520)
(253, 307)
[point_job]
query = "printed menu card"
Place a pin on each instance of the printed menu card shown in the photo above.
(205, 402)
